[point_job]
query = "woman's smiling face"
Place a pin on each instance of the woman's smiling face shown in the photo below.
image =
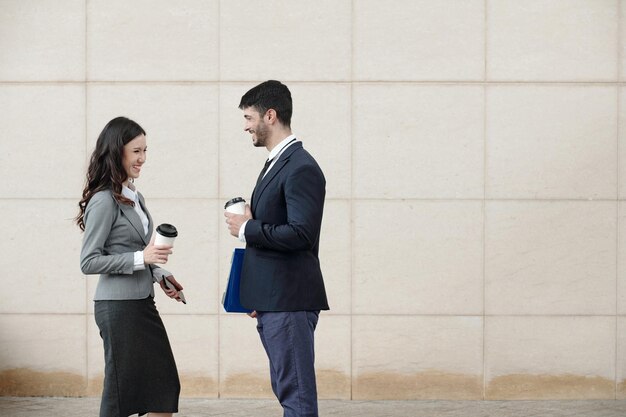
(134, 156)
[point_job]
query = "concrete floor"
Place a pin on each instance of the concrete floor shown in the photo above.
(74, 407)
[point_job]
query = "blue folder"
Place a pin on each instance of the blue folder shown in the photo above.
(230, 300)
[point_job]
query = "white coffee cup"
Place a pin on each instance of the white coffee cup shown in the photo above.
(165, 235)
(236, 205)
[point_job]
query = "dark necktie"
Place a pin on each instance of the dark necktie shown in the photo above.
(264, 170)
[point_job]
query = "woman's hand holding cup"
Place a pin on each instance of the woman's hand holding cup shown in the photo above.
(156, 254)
(161, 245)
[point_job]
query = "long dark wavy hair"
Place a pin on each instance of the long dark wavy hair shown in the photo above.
(106, 171)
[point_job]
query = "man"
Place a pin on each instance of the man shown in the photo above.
(281, 280)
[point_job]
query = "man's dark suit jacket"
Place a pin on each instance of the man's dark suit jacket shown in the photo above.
(281, 269)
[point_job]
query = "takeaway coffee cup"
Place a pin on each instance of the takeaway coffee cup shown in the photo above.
(165, 235)
(237, 206)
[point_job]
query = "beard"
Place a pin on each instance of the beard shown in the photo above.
(261, 132)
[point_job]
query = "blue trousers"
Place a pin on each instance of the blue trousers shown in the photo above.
(288, 341)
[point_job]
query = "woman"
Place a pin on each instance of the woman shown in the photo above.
(140, 374)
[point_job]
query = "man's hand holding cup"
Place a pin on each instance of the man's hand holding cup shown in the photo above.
(237, 213)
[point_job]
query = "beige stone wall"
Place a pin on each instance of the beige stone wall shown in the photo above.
(474, 240)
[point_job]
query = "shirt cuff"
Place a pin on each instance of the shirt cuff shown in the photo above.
(242, 232)
(138, 263)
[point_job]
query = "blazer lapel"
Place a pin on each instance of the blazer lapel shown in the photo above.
(133, 218)
(282, 160)
(142, 202)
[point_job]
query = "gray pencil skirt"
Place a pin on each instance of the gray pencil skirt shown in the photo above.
(140, 374)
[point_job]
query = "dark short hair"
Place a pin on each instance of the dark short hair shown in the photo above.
(270, 94)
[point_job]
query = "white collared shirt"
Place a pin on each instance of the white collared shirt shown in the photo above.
(273, 156)
(132, 195)
(278, 150)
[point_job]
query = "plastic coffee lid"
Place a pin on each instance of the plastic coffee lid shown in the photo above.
(167, 230)
(234, 201)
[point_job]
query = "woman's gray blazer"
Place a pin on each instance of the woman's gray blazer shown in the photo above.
(113, 233)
